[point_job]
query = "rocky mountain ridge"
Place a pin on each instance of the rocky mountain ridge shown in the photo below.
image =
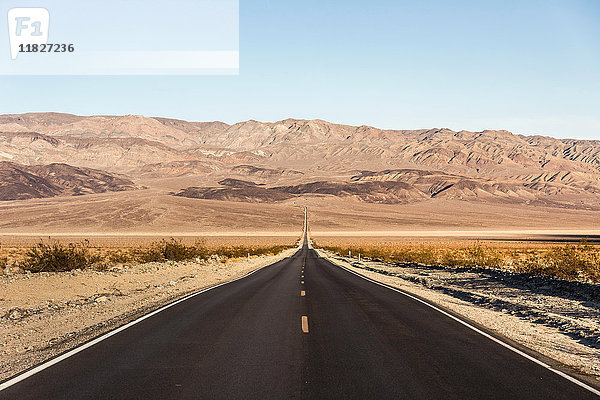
(21, 182)
(342, 160)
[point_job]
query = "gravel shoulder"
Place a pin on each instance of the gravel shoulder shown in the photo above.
(45, 314)
(558, 319)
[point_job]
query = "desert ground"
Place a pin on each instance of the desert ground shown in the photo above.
(155, 212)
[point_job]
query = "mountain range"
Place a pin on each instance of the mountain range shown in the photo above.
(291, 159)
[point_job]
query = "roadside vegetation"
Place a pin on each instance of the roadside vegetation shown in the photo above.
(573, 262)
(56, 257)
(59, 257)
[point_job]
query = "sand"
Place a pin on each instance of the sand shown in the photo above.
(154, 211)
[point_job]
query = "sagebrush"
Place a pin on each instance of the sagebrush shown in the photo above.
(58, 257)
(573, 262)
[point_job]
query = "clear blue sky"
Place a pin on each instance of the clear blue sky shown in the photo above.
(531, 67)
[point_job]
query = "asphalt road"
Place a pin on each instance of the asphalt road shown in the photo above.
(317, 332)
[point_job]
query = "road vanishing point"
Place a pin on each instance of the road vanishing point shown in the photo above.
(301, 328)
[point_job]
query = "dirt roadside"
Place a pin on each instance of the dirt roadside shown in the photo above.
(558, 319)
(45, 314)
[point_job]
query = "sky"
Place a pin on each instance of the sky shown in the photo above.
(530, 67)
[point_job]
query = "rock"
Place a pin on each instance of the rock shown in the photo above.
(101, 299)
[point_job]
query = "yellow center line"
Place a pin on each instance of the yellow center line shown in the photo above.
(304, 324)
(302, 293)
(302, 282)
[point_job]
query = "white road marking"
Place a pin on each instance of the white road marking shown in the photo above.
(508, 346)
(304, 324)
(89, 344)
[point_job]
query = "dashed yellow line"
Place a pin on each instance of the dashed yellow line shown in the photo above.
(304, 324)
(302, 282)
(302, 293)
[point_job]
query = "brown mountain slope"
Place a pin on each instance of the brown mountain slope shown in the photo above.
(263, 172)
(119, 155)
(316, 144)
(491, 166)
(19, 182)
(398, 191)
(436, 183)
(370, 192)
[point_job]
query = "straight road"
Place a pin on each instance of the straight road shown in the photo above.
(300, 328)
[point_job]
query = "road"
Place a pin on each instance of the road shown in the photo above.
(300, 328)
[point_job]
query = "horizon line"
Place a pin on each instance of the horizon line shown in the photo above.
(298, 119)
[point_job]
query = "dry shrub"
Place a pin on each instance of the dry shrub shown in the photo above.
(3, 263)
(120, 257)
(450, 258)
(581, 262)
(244, 251)
(174, 250)
(171, 250)
(56, 257)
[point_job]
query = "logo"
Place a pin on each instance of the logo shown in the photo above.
(27, 26)
(116, 43)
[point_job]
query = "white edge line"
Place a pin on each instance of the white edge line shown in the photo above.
(519, 352)
(89, 344)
